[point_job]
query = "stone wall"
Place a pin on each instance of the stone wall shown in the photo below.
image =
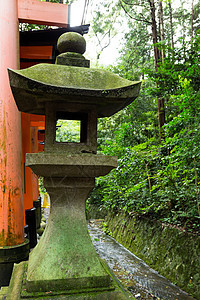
(173, 253)
(95, 212)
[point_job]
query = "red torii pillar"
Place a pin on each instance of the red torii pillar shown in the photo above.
(32, 204)
(11, 199)
(13, 247)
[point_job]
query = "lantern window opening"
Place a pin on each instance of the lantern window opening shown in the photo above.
(71, 127)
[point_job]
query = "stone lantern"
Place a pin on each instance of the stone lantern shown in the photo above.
(64, 264)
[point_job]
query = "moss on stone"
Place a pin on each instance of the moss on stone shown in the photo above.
(71, 42)
(72, 59)
(17, 289)
(94, 212)
(68, 76)
(107, 92)
(173, 253)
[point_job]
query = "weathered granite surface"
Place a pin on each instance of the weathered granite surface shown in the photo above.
(15, 293)
(70, 165)
(71, 42)
(107, 92)
(72, 59)
(65, 264)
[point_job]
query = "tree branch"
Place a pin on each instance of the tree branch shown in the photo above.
(143, 20)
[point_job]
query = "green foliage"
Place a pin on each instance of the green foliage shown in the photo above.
(105, 17)
(160, 179)
(68, 131)
(105, 229)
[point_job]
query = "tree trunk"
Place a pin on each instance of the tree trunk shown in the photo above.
(161, 116)
(192, 20)
(154, 33)
(171, 24)
(161, 30)
(161, 107)
(161, 104)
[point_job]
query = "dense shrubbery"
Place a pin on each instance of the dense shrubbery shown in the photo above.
(158, 178)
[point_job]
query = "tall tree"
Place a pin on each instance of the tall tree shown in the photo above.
(157, 58)
(161, 30)
(171, 24)
(192, 20)
(154, 33)
(149, 18)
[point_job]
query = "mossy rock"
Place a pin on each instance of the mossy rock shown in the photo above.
(173, 253)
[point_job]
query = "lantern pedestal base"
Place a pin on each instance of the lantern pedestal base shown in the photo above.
(64, 264)
(17, 289)
(65, 255)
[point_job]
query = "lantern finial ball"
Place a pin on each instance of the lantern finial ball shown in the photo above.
(71, 42)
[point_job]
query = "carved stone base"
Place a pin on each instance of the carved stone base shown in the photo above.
(65, 255)
(64, 264)
(17, 289)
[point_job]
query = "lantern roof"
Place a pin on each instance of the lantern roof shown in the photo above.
(107, 92)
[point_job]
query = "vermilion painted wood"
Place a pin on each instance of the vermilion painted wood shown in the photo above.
(37, 119)
(34, 149)
(30, 124)
(11, 198)
(36, 52)
(46, 13)
(37, 124)
(27, 173)
(27, 64)
(41, 137)
(40, 147)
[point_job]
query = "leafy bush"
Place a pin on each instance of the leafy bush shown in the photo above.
(153, 177)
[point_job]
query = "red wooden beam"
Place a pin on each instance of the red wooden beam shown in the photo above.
(37, 124)
(37, 118)
(37, 121)
(36, 52)
(43, 13)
